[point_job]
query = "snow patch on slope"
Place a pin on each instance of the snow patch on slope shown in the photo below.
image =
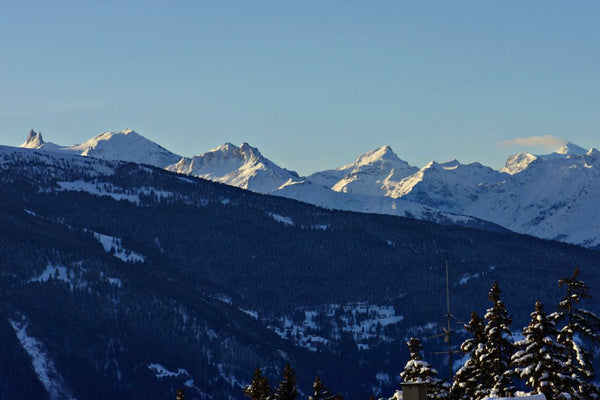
(117, 193)
(92, 188)
(113, 245)
(281, 219)
(42, 363)
(73, 275)
(57, 272)
(161, 372)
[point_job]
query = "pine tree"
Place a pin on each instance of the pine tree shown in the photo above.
(472, 381)
(419, 370)
(586, 326)
(259, 388)
(498, 349)
(540, 359)
(287, 387)
(321, 392)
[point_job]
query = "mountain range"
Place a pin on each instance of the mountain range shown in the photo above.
(551, 196)
(124, 280)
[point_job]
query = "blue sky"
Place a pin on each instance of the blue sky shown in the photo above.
(312, 84)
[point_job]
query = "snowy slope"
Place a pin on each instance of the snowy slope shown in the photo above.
(554, 197)
(312, 193)
(243, 166)
(449, 186)
(125, 145)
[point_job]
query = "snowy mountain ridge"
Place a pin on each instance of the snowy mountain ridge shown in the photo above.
(519, 162)
(523, 196)
(125, 145)
(242, 166)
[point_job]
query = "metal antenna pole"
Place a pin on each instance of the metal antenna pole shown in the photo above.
(448, 315)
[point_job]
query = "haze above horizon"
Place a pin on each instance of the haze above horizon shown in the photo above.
(311, 84)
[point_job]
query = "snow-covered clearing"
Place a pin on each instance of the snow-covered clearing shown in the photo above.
(57, 272)
(314, 328)
(71, 275)
(282, 219)
(114, 246)
(93, 188)
(117, 193)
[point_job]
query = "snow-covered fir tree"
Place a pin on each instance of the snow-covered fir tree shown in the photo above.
(580, 326)
(419, 370)
(498, 348)
(287, 389)
(259, 388)
(320, 392)
(540, 360)
(472, 381)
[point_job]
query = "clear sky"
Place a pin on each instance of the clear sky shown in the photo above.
(312, 84)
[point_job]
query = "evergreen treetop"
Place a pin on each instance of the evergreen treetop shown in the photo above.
(472, 380)
(419, 370)
(287, 387)
(320, 392)
(259, 388)
(580, 326)
(498, 348)
(540, 360)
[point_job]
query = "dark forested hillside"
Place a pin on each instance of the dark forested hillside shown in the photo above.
(130, 281)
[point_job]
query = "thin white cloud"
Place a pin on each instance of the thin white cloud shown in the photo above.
(536, 141)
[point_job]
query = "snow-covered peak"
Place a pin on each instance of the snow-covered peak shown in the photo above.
(34, 140)
(379, 155)
(227, 151)
(518, 162)
(433, 165)
(373, 173)
(242, 166)
(126, 145)
(223, 148)
(570, 149)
